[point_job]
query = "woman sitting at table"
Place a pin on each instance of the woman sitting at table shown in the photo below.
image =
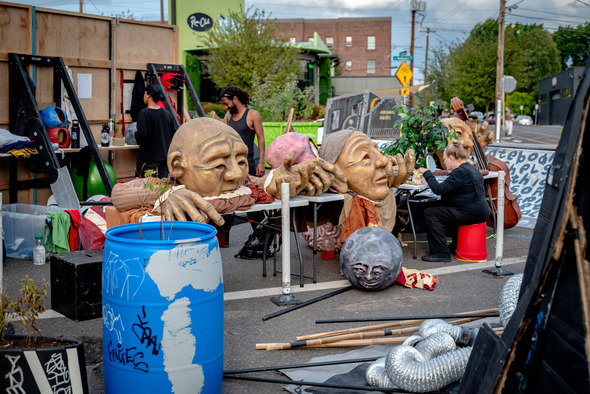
(462, 202)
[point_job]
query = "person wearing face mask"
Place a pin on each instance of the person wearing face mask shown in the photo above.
(462, 202)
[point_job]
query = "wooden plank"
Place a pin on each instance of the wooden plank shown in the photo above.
(16, 31)
(55, 33)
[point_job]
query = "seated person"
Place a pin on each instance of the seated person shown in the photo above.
(462, 202)
(209, 160)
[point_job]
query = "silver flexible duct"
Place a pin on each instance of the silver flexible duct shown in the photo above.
(377, 376)
(509, 298)
(429, 327)
(408, 369)
(435, 345)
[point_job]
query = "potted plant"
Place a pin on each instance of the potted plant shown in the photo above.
(421, 131)
(33, 363)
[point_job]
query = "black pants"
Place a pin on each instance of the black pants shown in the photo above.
(442, 221)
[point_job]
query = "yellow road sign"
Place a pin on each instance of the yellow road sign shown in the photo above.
(404, 74)
(405, 92)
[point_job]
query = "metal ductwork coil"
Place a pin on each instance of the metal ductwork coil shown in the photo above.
(509, 298)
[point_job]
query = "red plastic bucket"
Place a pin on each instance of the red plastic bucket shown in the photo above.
(471, 243)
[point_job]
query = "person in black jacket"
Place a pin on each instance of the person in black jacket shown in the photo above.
(462, 202)
(155, 129)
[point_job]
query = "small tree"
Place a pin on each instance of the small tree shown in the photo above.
(248, 43)
(25, 309)
(274, 100)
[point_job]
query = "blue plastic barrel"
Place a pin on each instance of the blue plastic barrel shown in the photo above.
(162, 308)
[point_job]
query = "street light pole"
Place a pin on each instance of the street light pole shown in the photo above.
(412, 53)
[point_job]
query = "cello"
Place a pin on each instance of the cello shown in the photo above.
(512, 213)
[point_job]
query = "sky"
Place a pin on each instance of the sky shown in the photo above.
(448, 21)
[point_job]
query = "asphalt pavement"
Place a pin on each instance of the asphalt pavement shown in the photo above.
(461, 287)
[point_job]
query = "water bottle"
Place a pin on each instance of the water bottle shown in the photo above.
(75, 144)
(105, 136)
(328, 246)
(39, 251)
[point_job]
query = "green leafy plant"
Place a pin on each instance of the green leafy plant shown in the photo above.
(159, 186)
(25, 309)
(421, 131)
(273, 98)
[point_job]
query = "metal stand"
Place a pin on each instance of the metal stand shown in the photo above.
(152, 76)
(498, 271)
(286, 298)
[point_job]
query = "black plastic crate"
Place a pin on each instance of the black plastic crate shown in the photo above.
(76, 284)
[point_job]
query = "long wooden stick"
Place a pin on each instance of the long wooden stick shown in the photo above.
(375, 319)
(346, 337)
(288, 128)
(383, 325)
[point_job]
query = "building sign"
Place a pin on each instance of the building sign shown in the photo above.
(199, 21)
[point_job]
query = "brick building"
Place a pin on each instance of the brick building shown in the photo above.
(362, 44)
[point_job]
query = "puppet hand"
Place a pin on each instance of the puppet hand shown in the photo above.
(315, 176)
(400, 168)
(182, 202)
(320, 175)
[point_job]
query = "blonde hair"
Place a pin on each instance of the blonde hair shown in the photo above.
(456, 149)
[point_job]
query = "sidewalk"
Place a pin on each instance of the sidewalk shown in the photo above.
(461, 287)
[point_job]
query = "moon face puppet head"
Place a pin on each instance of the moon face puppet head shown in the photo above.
(371, 258)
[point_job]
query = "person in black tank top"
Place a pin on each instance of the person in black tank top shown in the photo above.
(248, 124)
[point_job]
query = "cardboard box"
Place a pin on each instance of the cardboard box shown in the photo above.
(76, 284)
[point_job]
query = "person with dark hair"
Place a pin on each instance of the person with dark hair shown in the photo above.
(155, 129)
(462, 202)
(247, 123)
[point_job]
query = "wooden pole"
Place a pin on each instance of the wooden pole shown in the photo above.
(349, 339)
(288, 128)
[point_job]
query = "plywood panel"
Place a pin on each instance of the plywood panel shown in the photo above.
(161, 47)
(4, 118)
(15, 30)
(71, 36)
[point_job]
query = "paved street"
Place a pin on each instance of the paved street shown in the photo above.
(462, 287)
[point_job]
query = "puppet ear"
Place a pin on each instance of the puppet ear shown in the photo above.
(176, 164)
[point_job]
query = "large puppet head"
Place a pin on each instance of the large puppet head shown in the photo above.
(358, 157)
(208, 157)
(461, 129)
(371, 258)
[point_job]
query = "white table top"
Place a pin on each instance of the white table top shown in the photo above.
(324, 197)
(295, 201)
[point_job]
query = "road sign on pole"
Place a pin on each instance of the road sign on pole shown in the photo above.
(405, 92)
(508, 84)
(404, 74)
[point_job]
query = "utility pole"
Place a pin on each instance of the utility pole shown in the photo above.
(500, 68)
(81, 6)
(419, 6)
(162, 11)
(426, 65)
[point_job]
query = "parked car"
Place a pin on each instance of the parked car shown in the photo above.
(524, 120)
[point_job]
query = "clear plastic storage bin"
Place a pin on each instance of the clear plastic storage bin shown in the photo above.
(21, 223)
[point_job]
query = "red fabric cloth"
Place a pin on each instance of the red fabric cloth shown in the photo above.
(260, 197)
(362, 214)
(93, 227)
(75, 220)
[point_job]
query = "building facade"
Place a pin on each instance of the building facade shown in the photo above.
(363, 45)
(556, 94)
